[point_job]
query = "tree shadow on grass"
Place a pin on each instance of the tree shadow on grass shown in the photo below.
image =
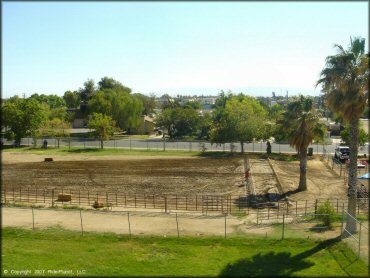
(320, 228)
(218, 154)
(274, 264)
(87, 150)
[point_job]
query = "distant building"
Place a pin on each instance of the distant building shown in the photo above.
(333, 127)
(146, 126)
(208, 100)
(80, 119)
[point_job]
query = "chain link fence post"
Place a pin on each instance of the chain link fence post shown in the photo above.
(282, 235)
(33, 220)
(82, 229)
(177, 226)
(359, 241)
(225, 224)
(129, 224)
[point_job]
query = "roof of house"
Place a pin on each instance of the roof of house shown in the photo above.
(78, 113)
(148, 119)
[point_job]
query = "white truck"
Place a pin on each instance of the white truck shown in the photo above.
(342, 153)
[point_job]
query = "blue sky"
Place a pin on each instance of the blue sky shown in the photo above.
(174, 47)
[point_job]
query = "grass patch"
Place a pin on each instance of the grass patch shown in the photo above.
(71, 207)
(281, 156)
(336, 217)
(119, 151)
(22, 205)
(98, 152)
(135, 136)
(118, 255)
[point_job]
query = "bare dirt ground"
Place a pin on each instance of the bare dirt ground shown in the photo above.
(145, 223)
(322, 182)
(129, 174)
(167, 174)
(12, 158)
(263, 178)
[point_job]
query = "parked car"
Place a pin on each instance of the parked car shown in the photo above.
(360, 163)
(342, 153)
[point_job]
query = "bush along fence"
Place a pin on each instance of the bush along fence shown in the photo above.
(116, 200)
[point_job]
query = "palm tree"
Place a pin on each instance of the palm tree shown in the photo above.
(345, 83)
(300, 125)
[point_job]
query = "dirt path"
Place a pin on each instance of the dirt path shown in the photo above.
(150, 223)
(263, 178)
(141, 223)
(321, 181)
(12, 158)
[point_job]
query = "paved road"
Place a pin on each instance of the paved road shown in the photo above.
(159, 144)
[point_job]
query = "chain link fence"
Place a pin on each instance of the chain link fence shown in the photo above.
(358, 239)
(157, 144)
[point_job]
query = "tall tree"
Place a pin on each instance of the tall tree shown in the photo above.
(53, 101)
(72, 99)
(179, 121)
(274, 111)
(344, 81)
(148, 103)
(243, 119)
(300, 125)
(103, 126)
(193, 104)
(110, 83)
(220, 105)
(204, 126)
(124, 108)
(88, 90)
(362, 138)
(23, 117)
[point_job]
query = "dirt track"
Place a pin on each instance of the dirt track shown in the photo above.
(171, 175)
(148, 223)
(136, 175)
(156, 175)
(322, 182)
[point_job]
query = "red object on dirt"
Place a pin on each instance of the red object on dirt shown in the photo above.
(360, 163)
(246, 174)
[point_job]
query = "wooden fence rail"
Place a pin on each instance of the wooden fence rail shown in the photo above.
(200, 203)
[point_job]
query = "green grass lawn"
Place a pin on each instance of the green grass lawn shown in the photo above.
(117, 255)
(151, 152)
(112, 151)
(96, 151)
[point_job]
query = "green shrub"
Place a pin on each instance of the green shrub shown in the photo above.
(326, 212)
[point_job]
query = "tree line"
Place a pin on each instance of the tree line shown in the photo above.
(107, 103)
